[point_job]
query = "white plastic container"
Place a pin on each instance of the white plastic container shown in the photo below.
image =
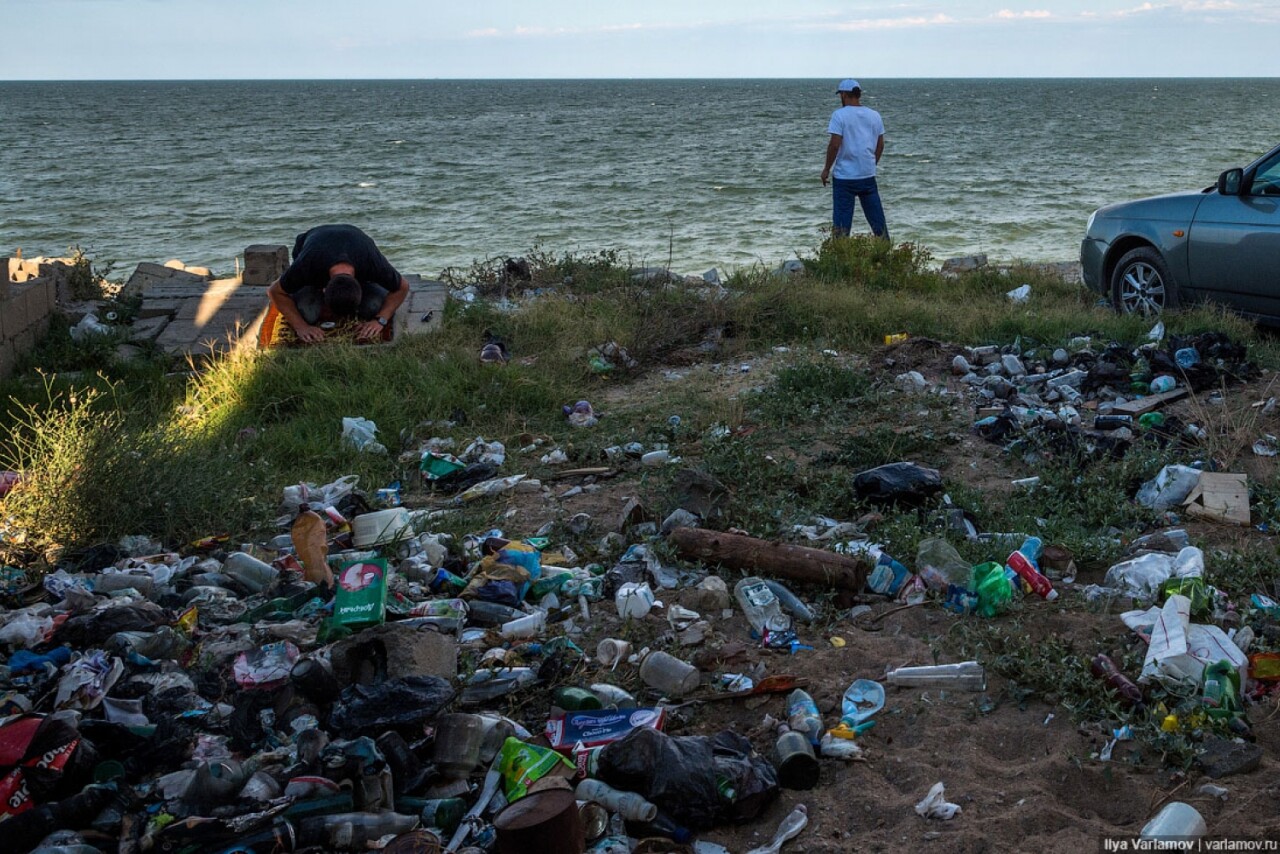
(1177, 821)
(634, 600)
(381, 527)
(629, 805)
(525, 627)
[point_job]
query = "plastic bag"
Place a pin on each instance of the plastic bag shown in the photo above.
(362, 434)
(316, 497)
(898, 483)
(88, 327)
(405, 701)
(1169, 488)
(940, 565)
(1180, 650)
(267, 667)
(25, 630)
(85, 682)
(681, 775)
(1141, 576)
(935, 805)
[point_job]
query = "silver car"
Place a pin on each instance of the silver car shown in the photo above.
(1220, 244)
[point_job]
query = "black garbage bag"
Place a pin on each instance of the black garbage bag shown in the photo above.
(464, 478)
(696, 780)
(676, 774)
(898, 483)
(405, 701)
(89, 630)
(750, 777)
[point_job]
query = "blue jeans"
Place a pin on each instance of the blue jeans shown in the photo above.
(844, 191)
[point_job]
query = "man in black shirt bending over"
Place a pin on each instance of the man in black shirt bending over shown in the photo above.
(338, 272)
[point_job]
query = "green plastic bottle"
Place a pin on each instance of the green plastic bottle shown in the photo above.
(575, 699)
(1222, 691)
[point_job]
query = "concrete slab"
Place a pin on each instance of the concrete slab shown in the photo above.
(214, 323)
(423, 312)
(148, 328)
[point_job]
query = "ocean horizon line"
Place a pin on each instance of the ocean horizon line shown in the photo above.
(1020, 79)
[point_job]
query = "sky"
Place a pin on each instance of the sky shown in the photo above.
(506, 39)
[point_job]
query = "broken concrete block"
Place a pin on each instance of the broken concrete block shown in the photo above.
(392, 651)
(964, 264)
(1222, 758)
(263, 263)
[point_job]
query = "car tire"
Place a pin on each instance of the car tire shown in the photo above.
(1142, 284)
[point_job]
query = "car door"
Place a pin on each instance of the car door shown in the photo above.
(1234, 244)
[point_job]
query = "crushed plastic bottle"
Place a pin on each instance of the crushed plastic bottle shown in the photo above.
(789, 829)
(758, 602)
(803, 715)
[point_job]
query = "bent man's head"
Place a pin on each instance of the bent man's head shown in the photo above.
(342, 295)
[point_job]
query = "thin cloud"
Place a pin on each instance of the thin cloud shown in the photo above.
(905, 22)
(1030, 14)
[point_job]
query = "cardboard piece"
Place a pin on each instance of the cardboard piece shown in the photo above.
(1221, 496)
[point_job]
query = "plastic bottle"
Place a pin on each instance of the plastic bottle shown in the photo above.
(613, 697)
(1027, 571)
(311, 542)
(444, 813)
(489, 614)
(353, 831)
(486, 684)
(789, 829)
(803, 715)
(757, 601)
(1177, 821)
(790, 602)
(1222, 690)
(523, 628)
(964, 676)
(627, 804)
(1105, 669)
(249, 571)
(573, 699)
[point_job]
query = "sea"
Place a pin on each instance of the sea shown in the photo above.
(688, 174)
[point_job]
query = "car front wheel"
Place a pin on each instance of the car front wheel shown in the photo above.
(1141, 283)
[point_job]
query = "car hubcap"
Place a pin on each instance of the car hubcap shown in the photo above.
(1141, 290)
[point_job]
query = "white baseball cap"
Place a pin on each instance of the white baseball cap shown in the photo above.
(848, 85)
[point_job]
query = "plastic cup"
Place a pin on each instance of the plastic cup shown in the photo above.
(612, 651)
(668, 674)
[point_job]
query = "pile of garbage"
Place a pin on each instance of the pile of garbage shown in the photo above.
(330, 690)
(1098, 400)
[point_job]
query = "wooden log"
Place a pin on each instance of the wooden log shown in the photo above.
(797, 563)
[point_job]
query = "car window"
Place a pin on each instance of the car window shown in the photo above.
(1266, 181)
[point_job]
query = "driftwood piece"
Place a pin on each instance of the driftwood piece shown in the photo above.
(777, 560)
(1150, 403)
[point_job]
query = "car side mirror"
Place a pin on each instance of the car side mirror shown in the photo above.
(1229, 182)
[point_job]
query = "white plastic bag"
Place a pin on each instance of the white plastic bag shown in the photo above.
(1180, 650)
(317, 497)
(1019, 294)
(25, 630)
(1140, 577)
(1169, 488)
(362, 434)
(935, 805)
(88, 327)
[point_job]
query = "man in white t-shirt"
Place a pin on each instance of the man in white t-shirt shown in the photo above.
(857, 141)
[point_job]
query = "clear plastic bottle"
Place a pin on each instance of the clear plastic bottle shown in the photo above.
(354, 831)
(629, 805)
(758, 603)
(964, 676)
(1176, 821)
(486, 684)
(789, 829)
(790, 602)
(249, 571)
(803, 715)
